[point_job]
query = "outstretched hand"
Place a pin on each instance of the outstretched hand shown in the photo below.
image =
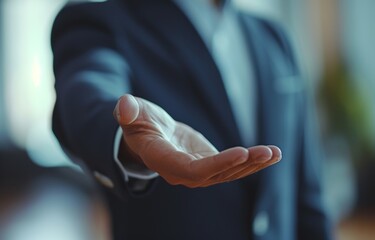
(180, 154)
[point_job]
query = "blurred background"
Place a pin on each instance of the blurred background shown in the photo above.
(39, 187)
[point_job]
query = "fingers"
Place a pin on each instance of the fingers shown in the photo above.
(228, 159)
(256, 163)
(180, 168)
(126, 110)
(276, 152)
(210, 166)
(245, 170)
(259, 157)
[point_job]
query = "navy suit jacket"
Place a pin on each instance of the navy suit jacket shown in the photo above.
(150, 49)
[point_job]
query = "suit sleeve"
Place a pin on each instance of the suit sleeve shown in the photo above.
(90, 76)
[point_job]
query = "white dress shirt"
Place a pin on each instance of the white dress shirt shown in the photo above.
(221, 31)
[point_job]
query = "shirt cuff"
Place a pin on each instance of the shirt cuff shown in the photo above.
(130, 170)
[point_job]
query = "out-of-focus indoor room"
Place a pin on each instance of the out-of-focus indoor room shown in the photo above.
(45, 196)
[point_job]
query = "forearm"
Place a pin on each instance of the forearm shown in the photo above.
(87, 89)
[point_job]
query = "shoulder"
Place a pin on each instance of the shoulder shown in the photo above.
(93, 13)
(84, 18)
(82, 27)
(79, 9)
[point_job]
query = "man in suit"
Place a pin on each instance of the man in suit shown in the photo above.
(207, 78)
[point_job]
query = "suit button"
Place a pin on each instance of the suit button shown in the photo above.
(261, 223)
(103, 180)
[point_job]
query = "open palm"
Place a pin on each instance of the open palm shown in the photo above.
(180, 154)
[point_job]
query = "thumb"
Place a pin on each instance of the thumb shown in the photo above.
(126, 110)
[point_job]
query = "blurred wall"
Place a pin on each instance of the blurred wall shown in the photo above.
(27, 78)
(358, 45)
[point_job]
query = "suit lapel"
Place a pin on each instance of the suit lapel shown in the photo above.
(170, 23)
(268, 123)
(277, 114)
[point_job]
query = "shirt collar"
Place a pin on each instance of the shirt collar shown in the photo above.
(203, 15)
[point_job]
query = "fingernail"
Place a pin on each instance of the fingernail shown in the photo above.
(276, 150)
(280, 157)
(266, 155)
